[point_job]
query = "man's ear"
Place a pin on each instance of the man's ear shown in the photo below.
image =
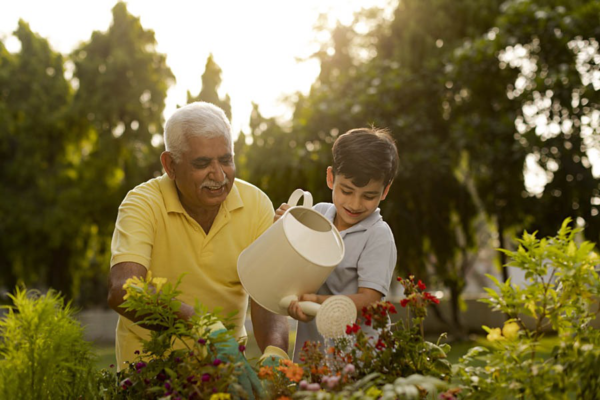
(386, 190)
(168, 163)
(330, 178)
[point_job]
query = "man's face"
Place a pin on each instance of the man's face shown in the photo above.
(352, 203)
(204, 176)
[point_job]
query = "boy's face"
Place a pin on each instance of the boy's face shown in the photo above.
(353, 203)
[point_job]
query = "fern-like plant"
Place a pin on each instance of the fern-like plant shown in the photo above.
(43, 354)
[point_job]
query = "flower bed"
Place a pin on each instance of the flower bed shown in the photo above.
(192, 360)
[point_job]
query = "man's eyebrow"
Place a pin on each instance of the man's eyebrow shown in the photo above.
(201, 159)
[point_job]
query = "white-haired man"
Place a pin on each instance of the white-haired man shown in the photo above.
(196, 219)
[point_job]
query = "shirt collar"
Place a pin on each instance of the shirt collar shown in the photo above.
(361, 226)
(173, 204)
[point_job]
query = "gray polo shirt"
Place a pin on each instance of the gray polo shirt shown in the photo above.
(369, 262)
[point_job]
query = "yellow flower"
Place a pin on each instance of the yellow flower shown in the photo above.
(495, 334)
(510, 330)
(134, 281)
(158, 283)
(220, 396)
(373, 392)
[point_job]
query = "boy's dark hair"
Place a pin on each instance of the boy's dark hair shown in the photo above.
(366, 153)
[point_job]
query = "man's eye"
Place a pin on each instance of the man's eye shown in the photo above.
(200, 166)
(369, 198)
(346, 193)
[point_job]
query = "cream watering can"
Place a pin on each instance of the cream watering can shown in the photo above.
(293, 257)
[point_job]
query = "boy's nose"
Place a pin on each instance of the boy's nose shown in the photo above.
(354, 203)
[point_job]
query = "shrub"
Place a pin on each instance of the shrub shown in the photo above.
(179, 360)
(562, 286)
(43, 354)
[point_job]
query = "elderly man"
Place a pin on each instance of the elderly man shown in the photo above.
(196, 219)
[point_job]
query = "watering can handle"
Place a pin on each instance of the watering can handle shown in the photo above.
(308, 307)
(297, 194)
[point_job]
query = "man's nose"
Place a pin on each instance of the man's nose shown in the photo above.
(216, 172)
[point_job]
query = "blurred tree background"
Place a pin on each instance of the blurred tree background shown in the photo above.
(479, 95)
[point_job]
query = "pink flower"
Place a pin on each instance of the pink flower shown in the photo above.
(349, 369)
(313, 387)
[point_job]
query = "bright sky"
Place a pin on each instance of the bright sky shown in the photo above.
(256, 43)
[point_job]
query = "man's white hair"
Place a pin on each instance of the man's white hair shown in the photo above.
(195, 119)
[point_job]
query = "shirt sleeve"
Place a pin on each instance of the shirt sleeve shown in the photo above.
(377, 261)
(133, 237)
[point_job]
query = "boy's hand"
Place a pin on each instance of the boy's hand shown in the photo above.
(280, 211)
(296, 312)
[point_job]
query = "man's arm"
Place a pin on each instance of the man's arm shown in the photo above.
(269, 329)
(119, 274)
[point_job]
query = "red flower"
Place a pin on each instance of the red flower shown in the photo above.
(421, 285)
(430, 297)
(399, 279)
(392, 309)
(380, 345)
(404, 302)
(354, 328)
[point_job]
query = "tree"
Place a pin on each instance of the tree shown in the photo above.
(211, 81)
(524, 91)
(122, 84)
(39, 228)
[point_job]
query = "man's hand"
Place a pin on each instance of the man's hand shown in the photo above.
(296, 312)
(280, 211)
(228, 350)
(272, 356)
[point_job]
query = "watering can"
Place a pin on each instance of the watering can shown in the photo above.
(293, 257)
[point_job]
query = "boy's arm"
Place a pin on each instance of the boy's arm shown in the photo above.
(362, 298)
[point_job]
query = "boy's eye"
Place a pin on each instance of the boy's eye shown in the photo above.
(346, 192)
(369, 198)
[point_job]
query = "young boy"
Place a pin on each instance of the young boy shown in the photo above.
(365, 162)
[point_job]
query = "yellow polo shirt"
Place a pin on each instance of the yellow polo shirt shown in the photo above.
(154, 230)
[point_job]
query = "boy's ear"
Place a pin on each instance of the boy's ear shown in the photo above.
(330, 178)
(386, 190)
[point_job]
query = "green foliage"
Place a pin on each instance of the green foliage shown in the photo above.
(35, 169)
(180, 358)
(211, 81)
(43, 354)
(562, 287)
(71, 149)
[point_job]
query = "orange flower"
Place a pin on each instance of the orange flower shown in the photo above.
(331, 350)
(283, 398)
(323, 370)
(294, 373)
(287, 363)
(265, 372)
